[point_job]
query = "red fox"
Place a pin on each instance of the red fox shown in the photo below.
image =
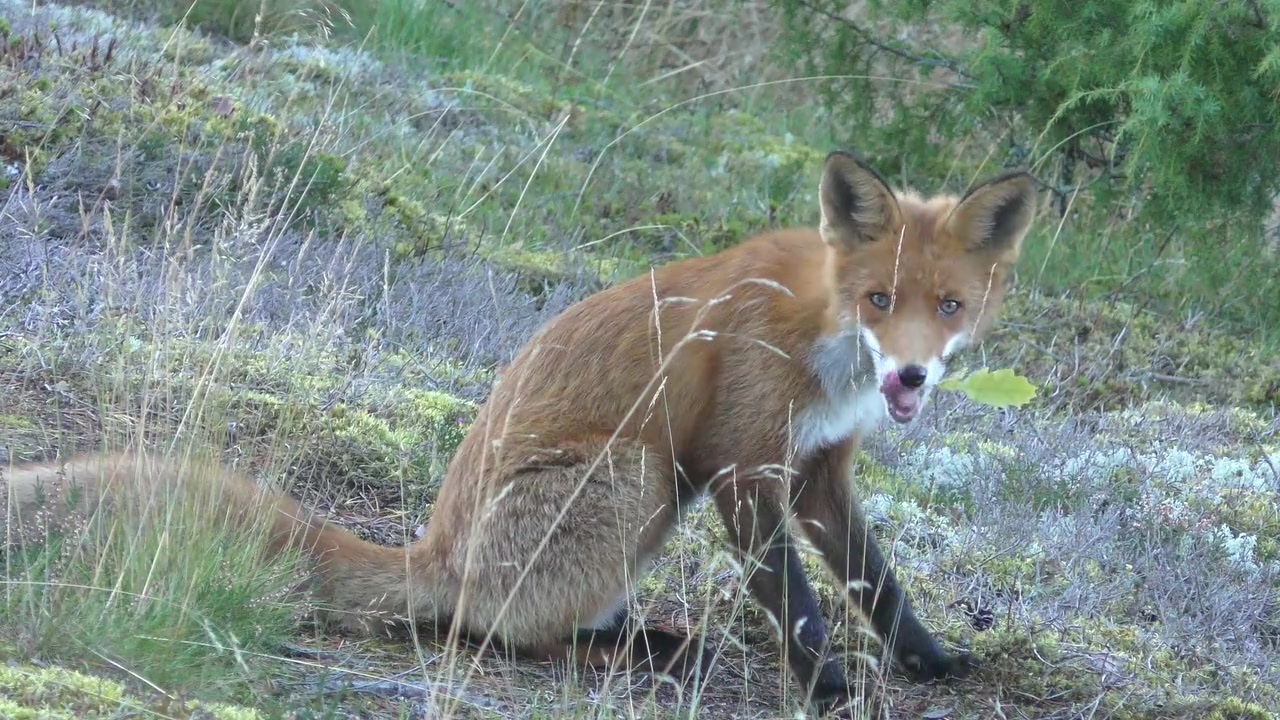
(748, 376)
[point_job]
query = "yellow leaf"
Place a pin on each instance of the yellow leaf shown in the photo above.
(1002, 388)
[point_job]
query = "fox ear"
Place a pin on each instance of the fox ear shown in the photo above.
(857, 204)
(995, 215)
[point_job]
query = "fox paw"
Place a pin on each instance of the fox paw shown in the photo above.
(939, 667)
(847, 706)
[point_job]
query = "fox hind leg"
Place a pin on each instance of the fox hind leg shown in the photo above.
(564, 599)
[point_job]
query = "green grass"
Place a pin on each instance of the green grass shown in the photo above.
(449, 36)
(294, 260)
(1214, 276)
(185, 603)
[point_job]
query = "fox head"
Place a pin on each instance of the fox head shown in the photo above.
(918, 279)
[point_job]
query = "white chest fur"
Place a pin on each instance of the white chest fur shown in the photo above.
(850, 402)
(836, 417)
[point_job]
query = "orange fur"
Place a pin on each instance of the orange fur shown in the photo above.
(749, 375)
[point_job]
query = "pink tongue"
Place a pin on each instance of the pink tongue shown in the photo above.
(891, 384)
(901, 397)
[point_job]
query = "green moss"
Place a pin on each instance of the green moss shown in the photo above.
(1150, 662)
(709, 234)
(277, 396)
(783, 162)
(398, 435)
(1250, 512)
(13, 422)
(62, 690)
(34, 693)
(736, 126)
(285, 157)
(1030, 664)
(535, 269)
(1014, 573)
(871, 477)
(427, 231)
(501, 86)
(1204, 708)
(72, 113)
(1237, 709)
(440, 419)
(395, 435)
(517, 95)
(256, 414)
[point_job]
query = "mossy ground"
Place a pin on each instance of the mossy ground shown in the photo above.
(32, 693)
(316, 256)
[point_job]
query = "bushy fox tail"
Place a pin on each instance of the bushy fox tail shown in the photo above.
(359, 584)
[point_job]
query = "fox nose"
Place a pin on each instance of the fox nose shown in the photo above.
(912, 376)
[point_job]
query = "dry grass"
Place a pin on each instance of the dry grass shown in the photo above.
(702, 45)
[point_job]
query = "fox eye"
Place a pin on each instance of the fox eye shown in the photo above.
(949, 306)
(880, 300)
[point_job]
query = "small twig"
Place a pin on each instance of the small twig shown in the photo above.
(390, 687)
(938, 61)
(1159, 252)
(1176, 380)
(27, 124)
(294, 650)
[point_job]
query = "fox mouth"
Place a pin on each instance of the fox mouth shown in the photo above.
(902, 402)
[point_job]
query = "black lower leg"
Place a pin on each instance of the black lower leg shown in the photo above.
(777, 582)
(883, 600)
(804, 627)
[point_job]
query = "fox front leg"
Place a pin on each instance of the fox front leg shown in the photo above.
(834, 522)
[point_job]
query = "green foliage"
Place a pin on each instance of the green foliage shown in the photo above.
(1176, 101)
